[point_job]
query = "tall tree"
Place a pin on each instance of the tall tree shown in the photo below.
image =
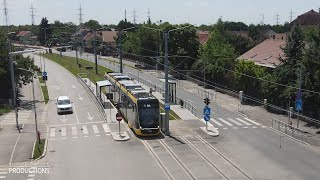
(92, 24)
(216, 55)
(44, 31)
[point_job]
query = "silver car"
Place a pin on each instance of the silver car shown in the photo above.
(64, 105)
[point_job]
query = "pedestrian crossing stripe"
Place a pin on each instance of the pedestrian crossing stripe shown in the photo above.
(84, 130)
(63, 131)
(227, 123)
(74, 130)
(106, 128)
(95, 129)
(248, 124)
(52, 132)
(253, 122)
(235, 122)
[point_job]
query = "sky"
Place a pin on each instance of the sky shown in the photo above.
(195, 12)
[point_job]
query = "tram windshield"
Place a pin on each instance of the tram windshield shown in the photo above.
(149, 114)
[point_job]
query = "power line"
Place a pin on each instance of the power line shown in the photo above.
(5, 9)
(260, 79)
(80, 15)
(134, 16)
(32, 14)
(291, 16)
(277, 19)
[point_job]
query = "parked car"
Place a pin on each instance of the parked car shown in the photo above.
(64, 105)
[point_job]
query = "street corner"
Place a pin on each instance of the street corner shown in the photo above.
(122, 136)
(211, 131)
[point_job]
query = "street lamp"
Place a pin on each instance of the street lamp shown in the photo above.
(34, 104)
(120, 46)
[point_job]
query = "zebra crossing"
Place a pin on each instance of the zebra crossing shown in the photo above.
(233, 123)
(24, 117)
(78, 131)
(3, 173)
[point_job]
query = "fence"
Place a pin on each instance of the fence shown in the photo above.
(290, 130)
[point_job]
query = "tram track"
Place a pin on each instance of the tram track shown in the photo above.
(244, 174)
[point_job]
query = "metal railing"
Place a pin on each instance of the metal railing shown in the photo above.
(188, 105)
(290, 130)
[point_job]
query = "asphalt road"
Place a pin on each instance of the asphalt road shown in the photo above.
(255, 148)
(79, 145)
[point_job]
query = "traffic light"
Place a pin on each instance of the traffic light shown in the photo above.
(206, 101)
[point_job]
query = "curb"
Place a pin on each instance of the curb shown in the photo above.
(44, 151)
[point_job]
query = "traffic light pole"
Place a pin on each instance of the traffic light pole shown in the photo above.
(95, 50)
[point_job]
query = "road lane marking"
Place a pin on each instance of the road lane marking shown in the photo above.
(75, 111)
(252, 121)
(254, 127)
(106, 128)
(245, 127)
(63, 131)
(74, 130)
(230, 119)
(216, 122)
(235, 127)
(52, 132)
(84, 130)
(227, 123)
(244, 122)
(2, 173)
(2, 177)
(95, 129)
(31, 175)
(14, 148)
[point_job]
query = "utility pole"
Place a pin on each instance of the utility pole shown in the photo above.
(80, 16)
(166, 37)
(32, 14)
(95, 49)
(300, 82)
(120, 51)
(5, 9)
(13, 84)
(134, 16)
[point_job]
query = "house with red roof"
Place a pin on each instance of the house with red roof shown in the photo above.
(268, 52)
(310, 18)
(23, 36)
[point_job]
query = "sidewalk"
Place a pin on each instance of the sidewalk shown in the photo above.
(15, 146)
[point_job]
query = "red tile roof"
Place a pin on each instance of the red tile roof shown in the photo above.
(309, 18)
(268, 52)
(109, 36)
(23, 33)
(203, 37)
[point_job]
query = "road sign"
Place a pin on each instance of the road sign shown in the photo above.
(207, 111)
(206, 118)
(299, 105)
(167, 107)
(44, 73)
(119, 117)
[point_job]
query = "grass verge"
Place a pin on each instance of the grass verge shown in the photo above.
(4, 109)
(38, 148)
(44, 89)
(70, 64)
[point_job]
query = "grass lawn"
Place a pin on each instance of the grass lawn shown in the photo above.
(70, 64)
(38, 149)
(44, 89)
(4, 109)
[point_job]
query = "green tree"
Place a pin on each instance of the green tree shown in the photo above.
(44, 32)
(249, 83)
(92, 24)
(288, 72)
(217, 55)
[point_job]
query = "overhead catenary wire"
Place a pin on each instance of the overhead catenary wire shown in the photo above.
(242, 74)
